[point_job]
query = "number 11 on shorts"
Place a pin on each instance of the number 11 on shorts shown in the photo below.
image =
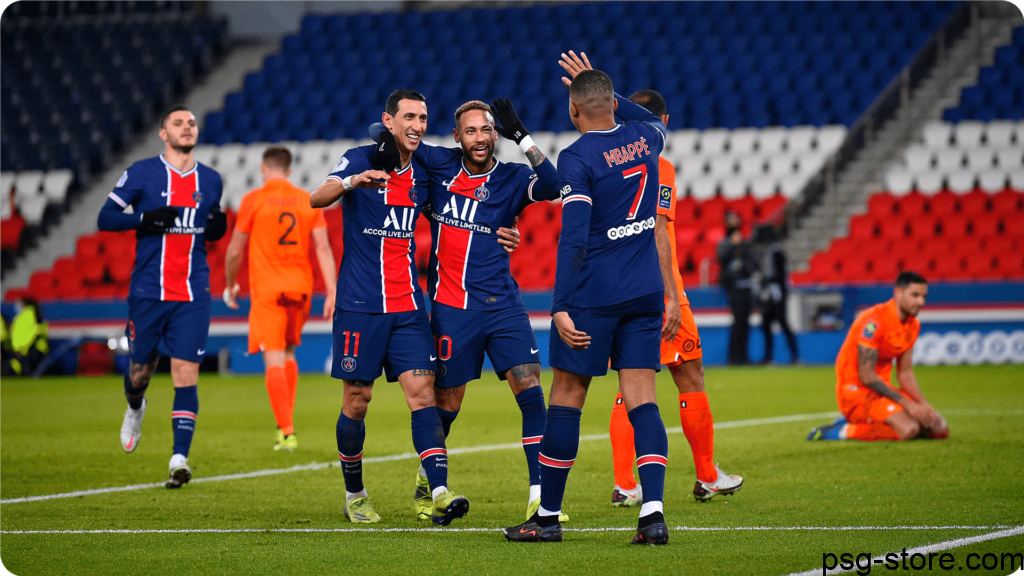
(353, 338)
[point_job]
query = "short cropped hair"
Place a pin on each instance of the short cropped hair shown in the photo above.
(651, 100)
(278, 157)
(908, 277)
(471, 105)
(178, 108)
(590, 84)
(391, 108)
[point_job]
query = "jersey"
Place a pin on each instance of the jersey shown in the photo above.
(468, 268)
(878, 327)
(279, 220)
(667, 208)
(378, 268)
(170, 266)
(607, 253)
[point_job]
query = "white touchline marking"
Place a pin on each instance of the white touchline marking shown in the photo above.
(441, 530)
(938, 547)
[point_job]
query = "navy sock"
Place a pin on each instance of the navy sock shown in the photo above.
(350, 434)
(557, 454)
(446, 420)
(651, 450)
(133, 394)
(183, 418)
(428, 440)
(531, 404)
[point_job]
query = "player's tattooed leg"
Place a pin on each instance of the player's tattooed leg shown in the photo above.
(140, 374)
(523, 376)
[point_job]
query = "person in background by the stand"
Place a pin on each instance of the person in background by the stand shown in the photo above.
(736, 257)
(774, 292)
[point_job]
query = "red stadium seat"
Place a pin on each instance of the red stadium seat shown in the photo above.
(1014, 227)
(980, 266)
(873, 246)
(984, 225)
(10, 232)
(912, 205)
(893, 228)
(974, 202)
(714, 234)
(745, 207)
(922, 227)
(999, 245)
(87, 247)
(943, 204)
(953, 227)
(862, 226)
(855, 268)
(1007, 201)
(772, 205)
(1011, 265)
(881, 204)
(843, 245)
(884, 269)
(687, 235)
(686, 211)
(918, 262)
(712, 211)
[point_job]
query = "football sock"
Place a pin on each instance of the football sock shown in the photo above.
(350, 434)
(651, 518)
(133, 394)
(557, 453)
(291, 374)
(699, 428)
(545, 518)
(428, 440)
(280, 400)
(652, 452)
(183, 418)
(531, 404)
(869, 432)
(623, 451)
(447, 418)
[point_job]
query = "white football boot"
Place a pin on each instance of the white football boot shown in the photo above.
(179, 473)
(131, 428)
(725, 484)
(622, 497)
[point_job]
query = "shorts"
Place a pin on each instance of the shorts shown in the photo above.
(175, 329)
(686, 345)
(276, 322)
(862, 405)
(462, 337)
(631, 340)
(366, 344)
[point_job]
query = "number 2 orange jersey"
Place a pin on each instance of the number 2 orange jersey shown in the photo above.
(279, 220)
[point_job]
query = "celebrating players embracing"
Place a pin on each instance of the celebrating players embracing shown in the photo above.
(175, 209)
(380, 322)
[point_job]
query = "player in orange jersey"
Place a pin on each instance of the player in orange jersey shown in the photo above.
(682, 355)
(874, 409)
(280, 222)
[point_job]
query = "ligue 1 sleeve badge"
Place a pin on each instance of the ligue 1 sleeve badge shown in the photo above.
(482, 193)
(870, 328)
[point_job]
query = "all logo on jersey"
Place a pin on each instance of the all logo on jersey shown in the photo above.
(665, 197)
(400, 220)
(482, 193)
(348, 364)
(465, 212)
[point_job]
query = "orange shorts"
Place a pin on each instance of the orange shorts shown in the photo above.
(686, 345)
(862, 405)
(276, 322)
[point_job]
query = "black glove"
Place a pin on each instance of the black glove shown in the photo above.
(216, 224)
(509, 125)
(159, 220)
(386, 157)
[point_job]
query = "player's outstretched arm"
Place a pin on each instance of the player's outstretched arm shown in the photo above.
(325, 258)
(232, 262)
(509, 126)
(331, 190)
(673, 316)
(625, 110)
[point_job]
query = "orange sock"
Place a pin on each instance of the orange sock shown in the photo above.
(623, 450)
(699, 428)
(277, 389)
(291, 374)
(870, 432)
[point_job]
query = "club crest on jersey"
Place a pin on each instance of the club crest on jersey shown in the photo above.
(348, 364)
(197, 197)
(412, 193)
(482, 193)
(870, 328)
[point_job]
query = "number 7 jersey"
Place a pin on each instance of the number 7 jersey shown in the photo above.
(378, 268)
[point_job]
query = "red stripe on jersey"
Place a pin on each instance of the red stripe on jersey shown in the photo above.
(651, 459)
(395, 262)
(466, 185)
(555, 463)
(355, 458)
(183, 189)
(433, 452)
(532, 440)
(397, 192)
(452, 253)
(175, 266)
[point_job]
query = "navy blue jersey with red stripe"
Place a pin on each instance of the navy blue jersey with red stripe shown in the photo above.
(468, 268)
(378, 268)
(170, 266)
(609, 185)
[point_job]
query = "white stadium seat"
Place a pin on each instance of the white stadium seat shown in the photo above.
(692, 167)
(968, 133)
(315, 152)
(562, 141)
(899, 181)
(792, 186)
(992, 180)
(27, 184)
(1010, 158)
(831, 137)
(751, 165)
(998, 133)
(771, 140)
(7, 182)
(682, 141)
(5, 207)
(712, 141)
(32, 208)
(800, 139)
(506, 150)
(780, 165)
(56, 184)
(1016, 179)
(722, 166)
(763, 187)
(545, 141)
(703, 188)
(960, 181)
(742, 140)
(204, 154)
(980, 158)
(949, 159)
(229, 156)
(810, 163)
(335, 148)
(936, 135)
(929, 183)
(252, 155)
(918, 158)
(734, 187)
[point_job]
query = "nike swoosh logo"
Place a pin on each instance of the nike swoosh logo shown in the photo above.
(447, 183)
(530, 532)
(433, 358)
(165, 194)
(201, 351)
(534, 350)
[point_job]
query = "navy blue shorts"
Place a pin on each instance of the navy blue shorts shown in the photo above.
(631, 340)
(366, 344)
(463, 336)
(175, 329)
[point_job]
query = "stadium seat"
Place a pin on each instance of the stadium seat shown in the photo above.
(992, 180)
(918, 158)
(763, 187)
(960, 181)
(944, 203)
(937, 135)
(968, 134)
(899, 181)
(929, 183)
(913, 205)
(974, 202)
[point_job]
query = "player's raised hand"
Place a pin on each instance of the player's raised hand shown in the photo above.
(370, 179)
(568, 333)
(508, 123)
(329, 306)
(673, 319)
(386, 156)
(573, 65)
(509, 237)
(231, 296)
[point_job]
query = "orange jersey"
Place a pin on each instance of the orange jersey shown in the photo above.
(878, 327)
(667, 208)
(279, 221)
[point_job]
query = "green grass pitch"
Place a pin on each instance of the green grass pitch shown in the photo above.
(60, 435)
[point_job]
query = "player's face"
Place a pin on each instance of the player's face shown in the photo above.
(477, 137)
(911, 299)
(180, 131)
(408, 124)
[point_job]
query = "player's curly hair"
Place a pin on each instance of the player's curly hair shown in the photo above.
(471, 105)
(391, 108)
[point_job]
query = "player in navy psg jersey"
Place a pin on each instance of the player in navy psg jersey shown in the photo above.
(475, 302)
(380, 322)
(609, 296)
(175, 205)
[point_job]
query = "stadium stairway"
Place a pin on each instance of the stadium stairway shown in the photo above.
(852, 185)
(61, 240)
